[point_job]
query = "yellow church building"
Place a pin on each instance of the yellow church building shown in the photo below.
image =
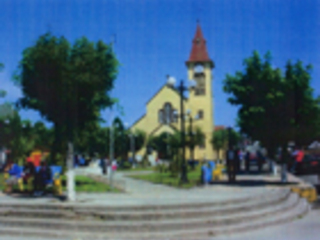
(160, 114)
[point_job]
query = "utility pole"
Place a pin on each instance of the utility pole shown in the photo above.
(181, 88)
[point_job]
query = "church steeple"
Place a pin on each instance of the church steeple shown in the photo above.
(199, 67)
(199, 53)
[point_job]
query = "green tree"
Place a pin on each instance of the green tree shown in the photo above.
(68, 85)
(194, 139)
(2, 93)
(16, 135)
(274, 108)
(43, 136)
(163, 144)
(138, 137)
(5, 108)
(219, 140)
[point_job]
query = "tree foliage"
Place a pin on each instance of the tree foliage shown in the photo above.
(168, 144)
(2, 92)
(223, 138)
(219, 140)
(275, 108)
(67, 84)
(21, 136)
(95, 140)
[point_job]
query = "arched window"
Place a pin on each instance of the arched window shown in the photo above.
(160, 116)
(174, 116)
(167, 113)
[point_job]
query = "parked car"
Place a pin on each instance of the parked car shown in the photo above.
(309, 165)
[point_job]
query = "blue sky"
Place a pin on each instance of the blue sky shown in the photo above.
(153, 39)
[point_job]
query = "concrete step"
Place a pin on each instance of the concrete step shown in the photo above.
(37, 213)
(152, 225)
(206, 232)
(181, 205)
(188, 212)
(148, 214)
(301, 209)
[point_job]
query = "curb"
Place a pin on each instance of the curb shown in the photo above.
(307, 192)
(303, 189)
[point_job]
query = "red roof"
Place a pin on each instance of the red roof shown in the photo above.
(219, 127)
(199, 51)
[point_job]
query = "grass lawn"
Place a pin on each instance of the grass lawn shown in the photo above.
(83, 184)
(167, 179)
(1, 182)
(137, 169)
(86, 184)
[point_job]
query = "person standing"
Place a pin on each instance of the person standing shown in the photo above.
(41, 178)
(231, 164)
(108, 166)
(298, 156)
(29, 175)
(103, 166)
(11, 172)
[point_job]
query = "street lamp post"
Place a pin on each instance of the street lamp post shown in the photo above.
(191, 132)
(192, 137)
(132, 146)
(229, 138)
(181, 88)
(111, 145)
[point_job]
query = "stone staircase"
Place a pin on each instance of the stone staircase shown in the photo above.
(168, 221)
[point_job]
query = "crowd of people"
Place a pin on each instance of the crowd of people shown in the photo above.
(236, 157)
(108, 166)
(37, 177)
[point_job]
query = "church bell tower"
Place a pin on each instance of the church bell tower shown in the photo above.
(200, 67)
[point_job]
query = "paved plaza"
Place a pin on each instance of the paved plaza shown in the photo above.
(138, 192)
(141, 193)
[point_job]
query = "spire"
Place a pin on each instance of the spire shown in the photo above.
(199, 51)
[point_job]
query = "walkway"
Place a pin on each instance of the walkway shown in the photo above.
(138, 192)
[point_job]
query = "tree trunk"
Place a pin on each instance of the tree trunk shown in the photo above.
(57, 144)
(218, 154)
(70, 174)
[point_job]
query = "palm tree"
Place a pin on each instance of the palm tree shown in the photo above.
(219, 140)
(195, 139)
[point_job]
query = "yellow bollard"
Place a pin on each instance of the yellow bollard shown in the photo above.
(57, 186)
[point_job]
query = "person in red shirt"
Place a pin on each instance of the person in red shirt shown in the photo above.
(298, 155)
